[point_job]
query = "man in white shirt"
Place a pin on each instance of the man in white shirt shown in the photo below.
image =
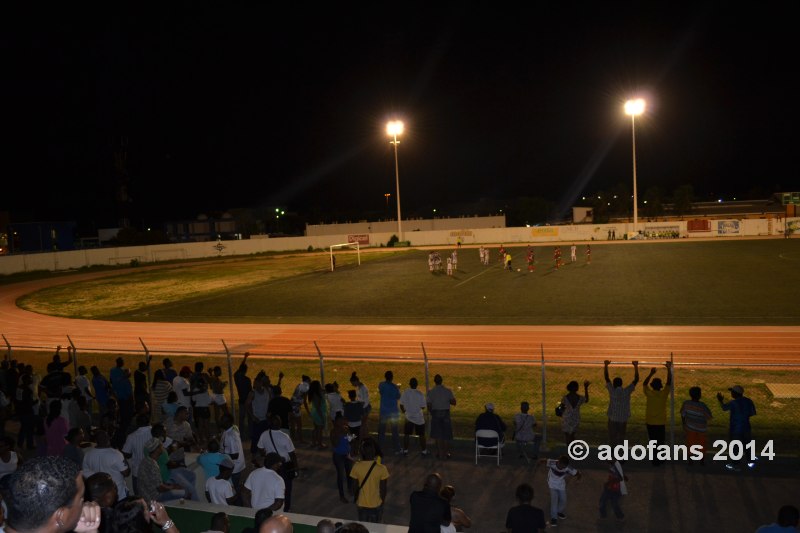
(412, 402)
(219, 489)
(231, 444)
(133, 450)
(264, 487)
(274, 440)
(104, 458)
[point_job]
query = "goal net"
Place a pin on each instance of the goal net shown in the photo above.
(337, 260)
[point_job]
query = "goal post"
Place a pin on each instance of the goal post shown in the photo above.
(351, 245)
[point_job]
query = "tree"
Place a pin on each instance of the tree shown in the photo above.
(682, 200)
(653, 203)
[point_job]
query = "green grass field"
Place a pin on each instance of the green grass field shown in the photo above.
(741, 282)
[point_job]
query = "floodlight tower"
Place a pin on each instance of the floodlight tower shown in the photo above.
(393, 129)
(634, 108)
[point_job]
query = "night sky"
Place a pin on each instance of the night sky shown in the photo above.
(222, 106)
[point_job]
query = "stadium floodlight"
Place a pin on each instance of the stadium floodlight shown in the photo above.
(393, 129)
(350, 245)
(634, 108)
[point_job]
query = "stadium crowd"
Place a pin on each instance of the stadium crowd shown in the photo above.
(103, 453)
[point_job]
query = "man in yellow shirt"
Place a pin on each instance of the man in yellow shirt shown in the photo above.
(370, 483)
(656, 414)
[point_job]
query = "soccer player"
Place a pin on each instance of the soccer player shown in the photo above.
(430, 261)
(481, 252)
(454, 255)
(449, 266)
(508, 262)
(589, 254)
(502, 253)
(573, 253)
(557, 257)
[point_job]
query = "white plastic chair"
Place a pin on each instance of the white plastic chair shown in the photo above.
(496, 448)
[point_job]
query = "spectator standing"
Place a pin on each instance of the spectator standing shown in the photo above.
(299, 400)
(340, 446)
(613, 490)
(695, 416)
(354, 412)
(524, 432)
(73, 449)
(104, 458)
(619, 405)
(169, 372)
(429, 511)
(133, 450)
(741, 408)
(572, 402)
(525, 518)
(140, 392)
(84, 385)
(335, 400)
(102, 390)
(273, 440)
(362, 393)
(27, 409)
(412, 404)
(370, 483)
(56, 429)
(231, 445)
(557, 472)
(281, 406)
(219, 489)
(160, 392)
(318, 411)
(440, 399)
(389, 411)
(258, 407)
(121, 384)
(264, 487)
(243, 385)
(656, 412)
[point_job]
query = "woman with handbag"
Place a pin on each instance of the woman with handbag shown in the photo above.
(370, 483)
(571, 409)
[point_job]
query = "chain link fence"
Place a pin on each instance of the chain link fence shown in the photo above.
(540, 380)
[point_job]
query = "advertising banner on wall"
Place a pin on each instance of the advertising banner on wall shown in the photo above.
(544, 231)
(361, 238)
(728, 227)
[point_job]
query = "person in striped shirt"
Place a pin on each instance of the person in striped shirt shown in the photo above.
(695, 416)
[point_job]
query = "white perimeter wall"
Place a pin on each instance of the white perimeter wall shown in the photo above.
(582, 232)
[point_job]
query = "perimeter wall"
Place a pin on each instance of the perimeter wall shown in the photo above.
(75, 259)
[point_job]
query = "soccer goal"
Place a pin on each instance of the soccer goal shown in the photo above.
(347, 257)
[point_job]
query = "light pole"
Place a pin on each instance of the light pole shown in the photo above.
(395, 128)
(634, 108)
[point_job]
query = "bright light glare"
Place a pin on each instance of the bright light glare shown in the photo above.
(634, 107)
(394, 127)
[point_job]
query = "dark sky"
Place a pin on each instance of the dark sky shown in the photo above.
(223, 106)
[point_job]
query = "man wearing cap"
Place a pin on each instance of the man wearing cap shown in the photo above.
(741, 409)
(151, 486)
(490, 420)
(264, 487)
(219, 488)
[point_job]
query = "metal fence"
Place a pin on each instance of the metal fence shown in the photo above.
(539, 380)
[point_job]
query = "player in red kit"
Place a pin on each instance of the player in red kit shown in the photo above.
(531, 259)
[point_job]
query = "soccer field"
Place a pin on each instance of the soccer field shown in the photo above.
(752, 282)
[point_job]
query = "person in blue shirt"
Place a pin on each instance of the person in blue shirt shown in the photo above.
(211, 459)
(741, 409)
(389, 411)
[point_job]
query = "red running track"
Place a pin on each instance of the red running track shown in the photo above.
(576, 344)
